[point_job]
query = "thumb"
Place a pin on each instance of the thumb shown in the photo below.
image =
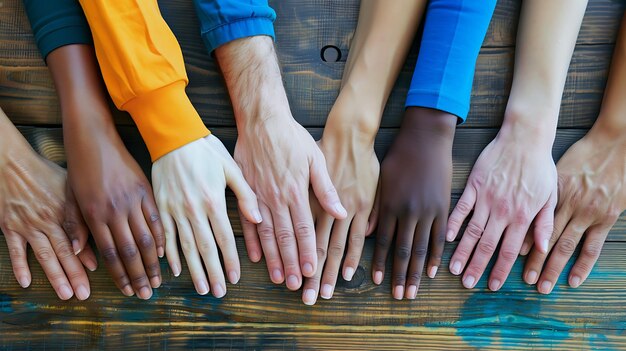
(74, 224)
(544, 225)
(373, 219)
(324, 189)
(246, 199)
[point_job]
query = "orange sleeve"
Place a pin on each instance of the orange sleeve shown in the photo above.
(143, 68)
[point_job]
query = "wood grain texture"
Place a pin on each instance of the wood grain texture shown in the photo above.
(303, 28)
(255, 314)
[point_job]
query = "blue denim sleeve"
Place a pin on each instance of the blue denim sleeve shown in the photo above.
(222, 21)
(453, 34)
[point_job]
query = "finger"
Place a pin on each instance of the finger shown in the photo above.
(437, 243)
(462, 209)
(589, 254)
(223, 233)
(16, 245)
(51, 266)
(271, 252)
(246, 199)
(207, 247)
(112, 261)
(336, 248)
(536, 259)
(88, 258)
(192, 257)
(402, 255)
(72, 266)
(527, 245)
(147, 246)
(153, 219)
(544, 225)
(356, 241)
(373, 218)
(286, 239)
(422, 234)
(471, 236)
(311, 285)
(561, 253)
(251, 238)
(324, 189)
(171, 244)
(131, 257)
(509, 251)
(304, 229)
(384, 237)
(74, 224)
(484, 250)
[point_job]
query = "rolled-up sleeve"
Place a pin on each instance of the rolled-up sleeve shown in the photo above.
(222, 21)
(143, 68)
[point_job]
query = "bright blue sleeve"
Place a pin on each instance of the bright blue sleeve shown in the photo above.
(222, 21)
(453, 33)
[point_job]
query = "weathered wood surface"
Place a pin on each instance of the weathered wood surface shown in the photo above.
(255, 314)
(303, 28)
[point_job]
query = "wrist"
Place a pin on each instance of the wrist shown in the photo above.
(609, 128)
(530, 127)
(429, 123)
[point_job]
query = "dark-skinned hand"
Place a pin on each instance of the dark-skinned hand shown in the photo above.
(414, 199)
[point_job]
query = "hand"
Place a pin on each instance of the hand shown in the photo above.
(512, 185)
(116, 201)
(354, 171)
(592, 195)
(415, 199)
(32, 202)
(189, 185)
(279, 159)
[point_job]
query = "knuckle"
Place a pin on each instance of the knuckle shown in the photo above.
(16, 253)
(145, 240)
(64, 250)
(415, 276)
(356, 241)
(420, 251)
(403, 252)
(70, 226)
(503, 207)
(464, 207)
(383, 242)
(566, 246)
(321, 253)
(303, 229)
(205, 248)
(109, 255)
(265, 232)
(593, 248)
(486, 247)
(46, 213)
(508, 254)
(153, 268)
(284, 236)
(473, 230)
(44, 254)
(140, 280)
(186, 245)
(399, 277)
(335, 250)
(129, 252)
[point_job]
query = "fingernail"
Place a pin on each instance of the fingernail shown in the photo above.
(378, 277)
(145, 293)
(76, 247)
(398, 291)
(307, 269)
(233, 277)
(348, 273)
(160, 252)
(65, 292)
(277, 276)
(155, 281)
(455, 268)
(24, 281)
(176, 269)
(128, 290)
(544, 246)
(91, 265)
(340, 210)
(545, 287)
(468, 282)
(219, 291)
(203, 288)
(494, 285)
(327, 291)
(432, 272)
(82, 293)
(308, 297)
(531, 277)
(255, 256)
(257, 216)
(411, 292)
(450, 235)
(524, 249)
(292, 282)
(574, 282)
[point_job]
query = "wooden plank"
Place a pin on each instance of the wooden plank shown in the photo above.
(258, 314)
(467, 147)
(28, 97)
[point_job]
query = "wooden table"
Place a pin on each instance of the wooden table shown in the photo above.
(257, 314)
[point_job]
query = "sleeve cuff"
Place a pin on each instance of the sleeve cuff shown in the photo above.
(166, 119)
(436, 100)
(246, 27)
(72, 33)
